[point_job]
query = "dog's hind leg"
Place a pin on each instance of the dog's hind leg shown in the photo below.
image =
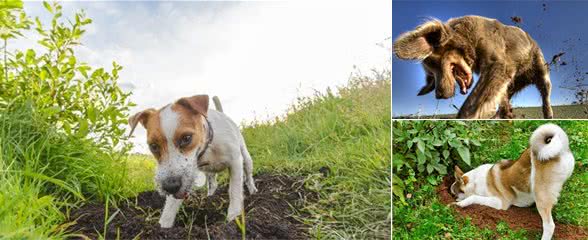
(171, 208)
(211, 183)
(548, 224)
(248, 166)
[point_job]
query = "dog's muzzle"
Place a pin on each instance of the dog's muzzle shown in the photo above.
(172, 185)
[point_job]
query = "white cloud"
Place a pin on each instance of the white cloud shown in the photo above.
(256, 56)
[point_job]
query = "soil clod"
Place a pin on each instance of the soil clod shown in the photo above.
(269, 214)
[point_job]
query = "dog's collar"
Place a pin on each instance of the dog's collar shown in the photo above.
(209, 138)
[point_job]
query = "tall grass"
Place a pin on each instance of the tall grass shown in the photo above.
(346, 134)
(43, 171)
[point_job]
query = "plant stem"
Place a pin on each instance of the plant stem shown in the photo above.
(5, 59)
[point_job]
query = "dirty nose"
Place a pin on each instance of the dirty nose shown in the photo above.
(172, 184)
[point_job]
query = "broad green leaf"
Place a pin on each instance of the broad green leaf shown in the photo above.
(464, 153)
(445, 154)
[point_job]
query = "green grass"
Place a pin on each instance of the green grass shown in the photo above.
(141, 171)
(43, 172)
(349, 134)
(500, 140)
(559, 112)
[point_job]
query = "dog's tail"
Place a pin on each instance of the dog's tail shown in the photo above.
(548, 141)
(217, 104)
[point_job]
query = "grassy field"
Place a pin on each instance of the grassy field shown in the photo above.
(346, 134)
(559, 112)
(422, 216)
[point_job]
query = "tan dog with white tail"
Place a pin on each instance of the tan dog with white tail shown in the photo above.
(536, 177)
(186, 137)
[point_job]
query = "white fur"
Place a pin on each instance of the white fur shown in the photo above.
(559, 142)
(230, 153)
(171, 208)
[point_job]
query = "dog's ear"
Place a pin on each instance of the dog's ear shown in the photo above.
(419, 44)
(430, 86)
(197, 104)
(458, 173)
(140, 117)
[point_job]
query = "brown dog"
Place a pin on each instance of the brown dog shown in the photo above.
(506, 58)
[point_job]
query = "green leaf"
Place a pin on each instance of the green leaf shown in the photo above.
(83, 128)
(421, 145)
(420, 158)
(11, 4)
(430, 168)
(464, 153)
(47, 6)
(442, 169)
(30, 56)
(445, 154)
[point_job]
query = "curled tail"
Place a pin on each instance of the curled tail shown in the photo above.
(548, 141)
(217, 104)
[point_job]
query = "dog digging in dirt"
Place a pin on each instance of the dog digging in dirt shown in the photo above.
(505, 57)
(536, 177)
(186, 137)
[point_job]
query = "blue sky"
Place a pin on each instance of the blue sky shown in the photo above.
(562, 26)
(258, 57)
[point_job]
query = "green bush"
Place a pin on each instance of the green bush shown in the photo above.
(61, 126)
(79, 100)
(426, 149)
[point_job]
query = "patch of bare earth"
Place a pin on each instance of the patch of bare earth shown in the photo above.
(269, 214)
(517, 218)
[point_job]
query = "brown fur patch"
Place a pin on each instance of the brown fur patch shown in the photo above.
(155, 135)
(190, 123)
(543, 174)
(506, 176)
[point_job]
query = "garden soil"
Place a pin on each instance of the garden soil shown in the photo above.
(269, 214)
(517, 218)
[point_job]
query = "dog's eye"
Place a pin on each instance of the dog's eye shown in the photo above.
(185, 140)
(154, 147)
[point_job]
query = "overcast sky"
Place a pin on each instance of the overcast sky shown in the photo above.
(258, 57)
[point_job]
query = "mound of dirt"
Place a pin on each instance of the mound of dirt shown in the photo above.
(268, 214)
(516, 217)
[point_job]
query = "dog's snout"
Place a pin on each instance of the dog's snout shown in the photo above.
(172, 184)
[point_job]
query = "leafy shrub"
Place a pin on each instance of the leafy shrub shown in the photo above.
(425, 149)
(79, 100)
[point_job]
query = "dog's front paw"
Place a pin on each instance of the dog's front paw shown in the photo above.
(231, 215)
(165, 224)
(252, 189)
(460, 204)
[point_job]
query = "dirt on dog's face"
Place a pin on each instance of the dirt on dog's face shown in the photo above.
(176, 134)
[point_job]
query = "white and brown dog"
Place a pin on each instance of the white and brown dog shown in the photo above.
(186, 137)
(536, 177)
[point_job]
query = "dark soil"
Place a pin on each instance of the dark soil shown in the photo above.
(268, 214)
(517, 218)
